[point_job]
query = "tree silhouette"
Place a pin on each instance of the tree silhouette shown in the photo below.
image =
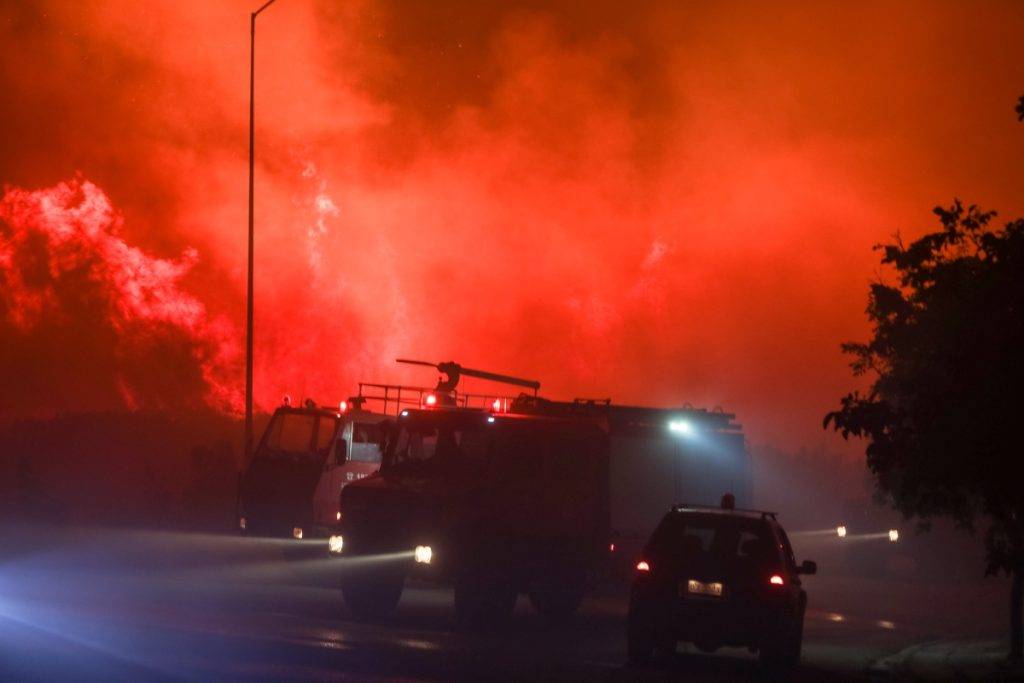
(942, 415)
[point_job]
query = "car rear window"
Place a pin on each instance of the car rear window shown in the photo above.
(724, 538)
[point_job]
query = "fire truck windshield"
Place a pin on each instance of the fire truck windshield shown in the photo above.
(444, 447)
(298, 435)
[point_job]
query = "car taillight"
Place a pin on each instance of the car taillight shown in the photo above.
(643, 566)
(776, 580)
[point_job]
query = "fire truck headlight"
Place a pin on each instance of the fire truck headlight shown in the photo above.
(841, 531)
(894, 535)
(297, 533)
(681, 427)
(423, 554)
(335, 544)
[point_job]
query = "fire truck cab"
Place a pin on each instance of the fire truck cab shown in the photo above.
(494, 504)
(304, 458)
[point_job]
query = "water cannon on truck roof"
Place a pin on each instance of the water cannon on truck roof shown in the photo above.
(446, 391)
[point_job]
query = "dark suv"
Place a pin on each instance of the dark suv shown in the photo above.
(718, 577)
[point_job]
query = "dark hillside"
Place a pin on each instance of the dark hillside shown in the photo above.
(154, 469)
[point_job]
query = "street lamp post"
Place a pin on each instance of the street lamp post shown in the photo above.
(248, 298)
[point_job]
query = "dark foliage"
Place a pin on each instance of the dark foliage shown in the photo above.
(942, 416)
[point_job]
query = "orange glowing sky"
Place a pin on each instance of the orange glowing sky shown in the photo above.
(651, 201)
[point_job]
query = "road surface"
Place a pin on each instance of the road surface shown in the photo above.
(137, 605)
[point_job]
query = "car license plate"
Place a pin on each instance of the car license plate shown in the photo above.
(711, 589)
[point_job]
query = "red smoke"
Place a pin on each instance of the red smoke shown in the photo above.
(658, 202)
(71, 283)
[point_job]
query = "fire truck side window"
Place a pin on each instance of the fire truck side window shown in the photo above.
(364, 447)
(325, 434)
(291, 433)
(415, 445)
(443, 447)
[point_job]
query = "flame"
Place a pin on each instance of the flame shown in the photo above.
(65, 267)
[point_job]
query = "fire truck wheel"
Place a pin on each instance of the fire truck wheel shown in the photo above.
(373, 598)
(556, 603)
(483, 601)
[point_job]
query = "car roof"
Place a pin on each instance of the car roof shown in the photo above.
(725, 512)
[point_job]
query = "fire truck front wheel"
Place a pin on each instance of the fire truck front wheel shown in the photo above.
(372, 598)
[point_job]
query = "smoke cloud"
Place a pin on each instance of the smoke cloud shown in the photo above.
(89, 321)
(654, 202)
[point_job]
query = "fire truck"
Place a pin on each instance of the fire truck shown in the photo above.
(508, 495)
(305, 457)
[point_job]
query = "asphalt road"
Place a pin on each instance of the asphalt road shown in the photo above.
(115, 605)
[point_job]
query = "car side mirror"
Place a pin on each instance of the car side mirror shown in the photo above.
(808, 567)
(340, 452)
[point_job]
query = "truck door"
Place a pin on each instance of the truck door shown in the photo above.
(364, 454)
(362, 458)
(329, 430)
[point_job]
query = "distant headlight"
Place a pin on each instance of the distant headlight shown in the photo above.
(336, 544)
(841, 531)
(297, 532)
(423, 554)
(894, 535)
